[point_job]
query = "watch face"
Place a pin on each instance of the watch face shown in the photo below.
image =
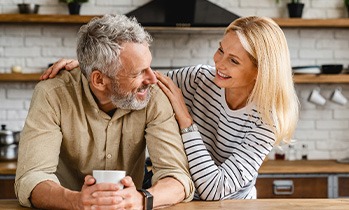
(191, 128)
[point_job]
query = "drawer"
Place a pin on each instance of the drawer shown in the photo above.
(343, 186)
(7, 190)
(292, 187)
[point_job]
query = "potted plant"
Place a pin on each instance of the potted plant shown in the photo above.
(74, 5)
(346, 3)
(295, 8)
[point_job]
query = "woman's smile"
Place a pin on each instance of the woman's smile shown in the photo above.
(222, 76)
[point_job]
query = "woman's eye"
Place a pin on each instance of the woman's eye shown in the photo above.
(234, 61)
(220, 50)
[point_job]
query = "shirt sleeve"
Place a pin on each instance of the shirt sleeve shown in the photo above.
(39, 147)
(220, 181)
(165, 145)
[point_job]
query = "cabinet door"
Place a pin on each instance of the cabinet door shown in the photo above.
(292, 187)
(343, 186)
(7, 189)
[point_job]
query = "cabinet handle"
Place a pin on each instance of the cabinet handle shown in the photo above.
(283, 187)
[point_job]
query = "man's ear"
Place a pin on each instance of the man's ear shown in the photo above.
(99, 80)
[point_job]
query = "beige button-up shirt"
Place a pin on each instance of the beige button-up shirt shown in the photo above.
(66, 136)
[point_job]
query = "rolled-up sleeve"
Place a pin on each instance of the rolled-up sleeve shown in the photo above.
(165, 145)
(39, 147)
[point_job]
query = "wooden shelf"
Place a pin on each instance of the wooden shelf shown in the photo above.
(312, 23)
(81, 19)
(19, 77)
(8, 167)
(299, 78)
(52, 19)
(321, 78)
(303, 167)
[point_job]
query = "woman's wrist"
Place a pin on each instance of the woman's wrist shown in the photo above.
(192, 128)
(185, 123)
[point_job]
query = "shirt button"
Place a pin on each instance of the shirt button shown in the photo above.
(108, 156)
(110, 124)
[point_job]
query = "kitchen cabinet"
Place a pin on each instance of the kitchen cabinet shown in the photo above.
(292, 186)
(7, 190)
(299, 179)
(303, 179)
(7, 179)
(343, 186)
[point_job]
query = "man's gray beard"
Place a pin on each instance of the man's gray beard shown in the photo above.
(128, 100)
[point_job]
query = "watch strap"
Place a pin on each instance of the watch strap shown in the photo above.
(191, 128)
(148, 199)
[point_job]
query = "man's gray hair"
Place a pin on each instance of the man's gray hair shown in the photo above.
(99, 42)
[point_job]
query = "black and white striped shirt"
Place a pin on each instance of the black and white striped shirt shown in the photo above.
(226, 153)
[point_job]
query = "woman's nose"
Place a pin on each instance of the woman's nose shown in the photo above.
(218, 60)
(219, 64)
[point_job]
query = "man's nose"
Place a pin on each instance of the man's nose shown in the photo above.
(150, 76)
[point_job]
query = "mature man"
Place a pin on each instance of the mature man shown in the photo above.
(102, 118)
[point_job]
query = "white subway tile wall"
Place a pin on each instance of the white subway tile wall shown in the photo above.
(325, 129)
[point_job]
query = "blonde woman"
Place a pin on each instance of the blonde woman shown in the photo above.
(231, 115)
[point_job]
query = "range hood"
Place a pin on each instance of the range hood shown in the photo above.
(182, 13)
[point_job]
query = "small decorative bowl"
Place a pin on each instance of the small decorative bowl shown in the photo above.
(331, 68)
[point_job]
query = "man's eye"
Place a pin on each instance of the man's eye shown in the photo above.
(139, 74)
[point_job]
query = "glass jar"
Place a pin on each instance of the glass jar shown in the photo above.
(279, 153)
(292, 153)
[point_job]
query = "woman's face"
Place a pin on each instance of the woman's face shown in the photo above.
(234, 68)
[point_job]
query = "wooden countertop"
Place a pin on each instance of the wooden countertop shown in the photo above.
(297, 78)
(303, 167)
(8, 168)
(258, 204)
(266, 204)
(268, 167)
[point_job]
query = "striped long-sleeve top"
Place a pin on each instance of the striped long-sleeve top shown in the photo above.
(226, 153)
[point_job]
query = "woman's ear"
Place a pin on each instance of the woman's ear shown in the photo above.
(98, 80)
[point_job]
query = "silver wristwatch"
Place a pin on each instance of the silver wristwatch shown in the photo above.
(191, 128)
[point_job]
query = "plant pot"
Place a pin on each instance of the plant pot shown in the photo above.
(28, 8)
(74, 8)
(295, 10)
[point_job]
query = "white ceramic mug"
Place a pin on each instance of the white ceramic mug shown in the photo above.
(338, 97)
(316, 98)
(109, 176)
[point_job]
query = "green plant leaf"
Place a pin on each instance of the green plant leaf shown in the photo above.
(346, 3)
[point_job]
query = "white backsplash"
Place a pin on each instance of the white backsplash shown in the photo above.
(325, 129)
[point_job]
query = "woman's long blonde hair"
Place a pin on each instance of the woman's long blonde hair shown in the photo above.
(274, 92)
